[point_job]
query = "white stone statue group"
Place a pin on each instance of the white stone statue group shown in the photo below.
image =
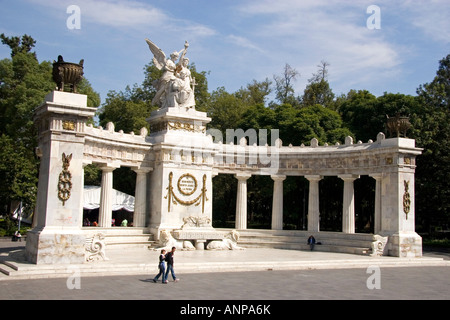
(229, 242)
(176, 86)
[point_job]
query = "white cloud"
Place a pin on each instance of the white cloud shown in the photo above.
(128, 15)
(431, 16)
(121, 14)
(243, 42)
(302, 33)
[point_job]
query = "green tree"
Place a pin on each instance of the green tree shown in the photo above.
(24, 82)
(284, 85)
(17, 44)
(225, 109)
(255, 92)
(318, 90)
(126, 112)
(18, 173)
(432, 132)
(366, 115)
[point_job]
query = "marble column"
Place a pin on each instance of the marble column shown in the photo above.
(277, 202)
(105, 210)
(348, 206)
(377, 215)
(313, 203)
(140, 199)
(241, 201)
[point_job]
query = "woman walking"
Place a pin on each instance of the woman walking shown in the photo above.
(161, 266)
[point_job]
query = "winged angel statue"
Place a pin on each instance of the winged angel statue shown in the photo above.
(175, 88)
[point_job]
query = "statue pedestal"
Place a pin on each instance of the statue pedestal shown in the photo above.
(181, 182)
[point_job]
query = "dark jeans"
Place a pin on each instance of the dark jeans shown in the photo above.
(170, 269)
(162, 269)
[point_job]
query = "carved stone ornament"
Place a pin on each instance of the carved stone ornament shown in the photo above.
(65, 180)
(196, 222)
(95, 247)
(228, 243)
(187, 184)
(406, 199)
(67, 74)
(378, 245)
(167, 241)
(68, 125)
(174, 199)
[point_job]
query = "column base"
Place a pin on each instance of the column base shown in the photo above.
(52, 245)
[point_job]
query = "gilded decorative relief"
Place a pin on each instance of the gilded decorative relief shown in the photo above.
(406, 199)
(65, 180)
(187, 185)
(68, 125)
(186, 126)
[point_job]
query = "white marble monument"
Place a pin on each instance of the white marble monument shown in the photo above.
(175, 164)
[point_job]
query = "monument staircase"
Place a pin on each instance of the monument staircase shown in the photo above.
(123, 237)
(358, 243)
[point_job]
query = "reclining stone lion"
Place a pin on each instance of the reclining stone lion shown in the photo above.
(167, 241)
(228, 243)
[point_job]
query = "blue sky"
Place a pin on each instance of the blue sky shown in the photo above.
(238, 41)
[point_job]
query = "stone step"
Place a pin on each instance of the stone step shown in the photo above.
(123, 236)
(303, 241)
(297, 240)
(293, 246)
(55, 271)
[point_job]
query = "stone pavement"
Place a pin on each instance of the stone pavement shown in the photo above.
(133, 261)
(265, 274)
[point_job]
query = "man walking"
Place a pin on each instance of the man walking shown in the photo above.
(169, 260)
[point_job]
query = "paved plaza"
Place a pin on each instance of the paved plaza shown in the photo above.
(404, 283)
(353, 279)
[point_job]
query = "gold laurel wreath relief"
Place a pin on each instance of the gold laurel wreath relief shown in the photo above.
(172, 198)
(406, 199)
(65, 180)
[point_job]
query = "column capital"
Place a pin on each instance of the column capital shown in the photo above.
(349, 177)
(108, 167)
(314, 177)
(278, 177)
(141, 170)
(242, 176)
